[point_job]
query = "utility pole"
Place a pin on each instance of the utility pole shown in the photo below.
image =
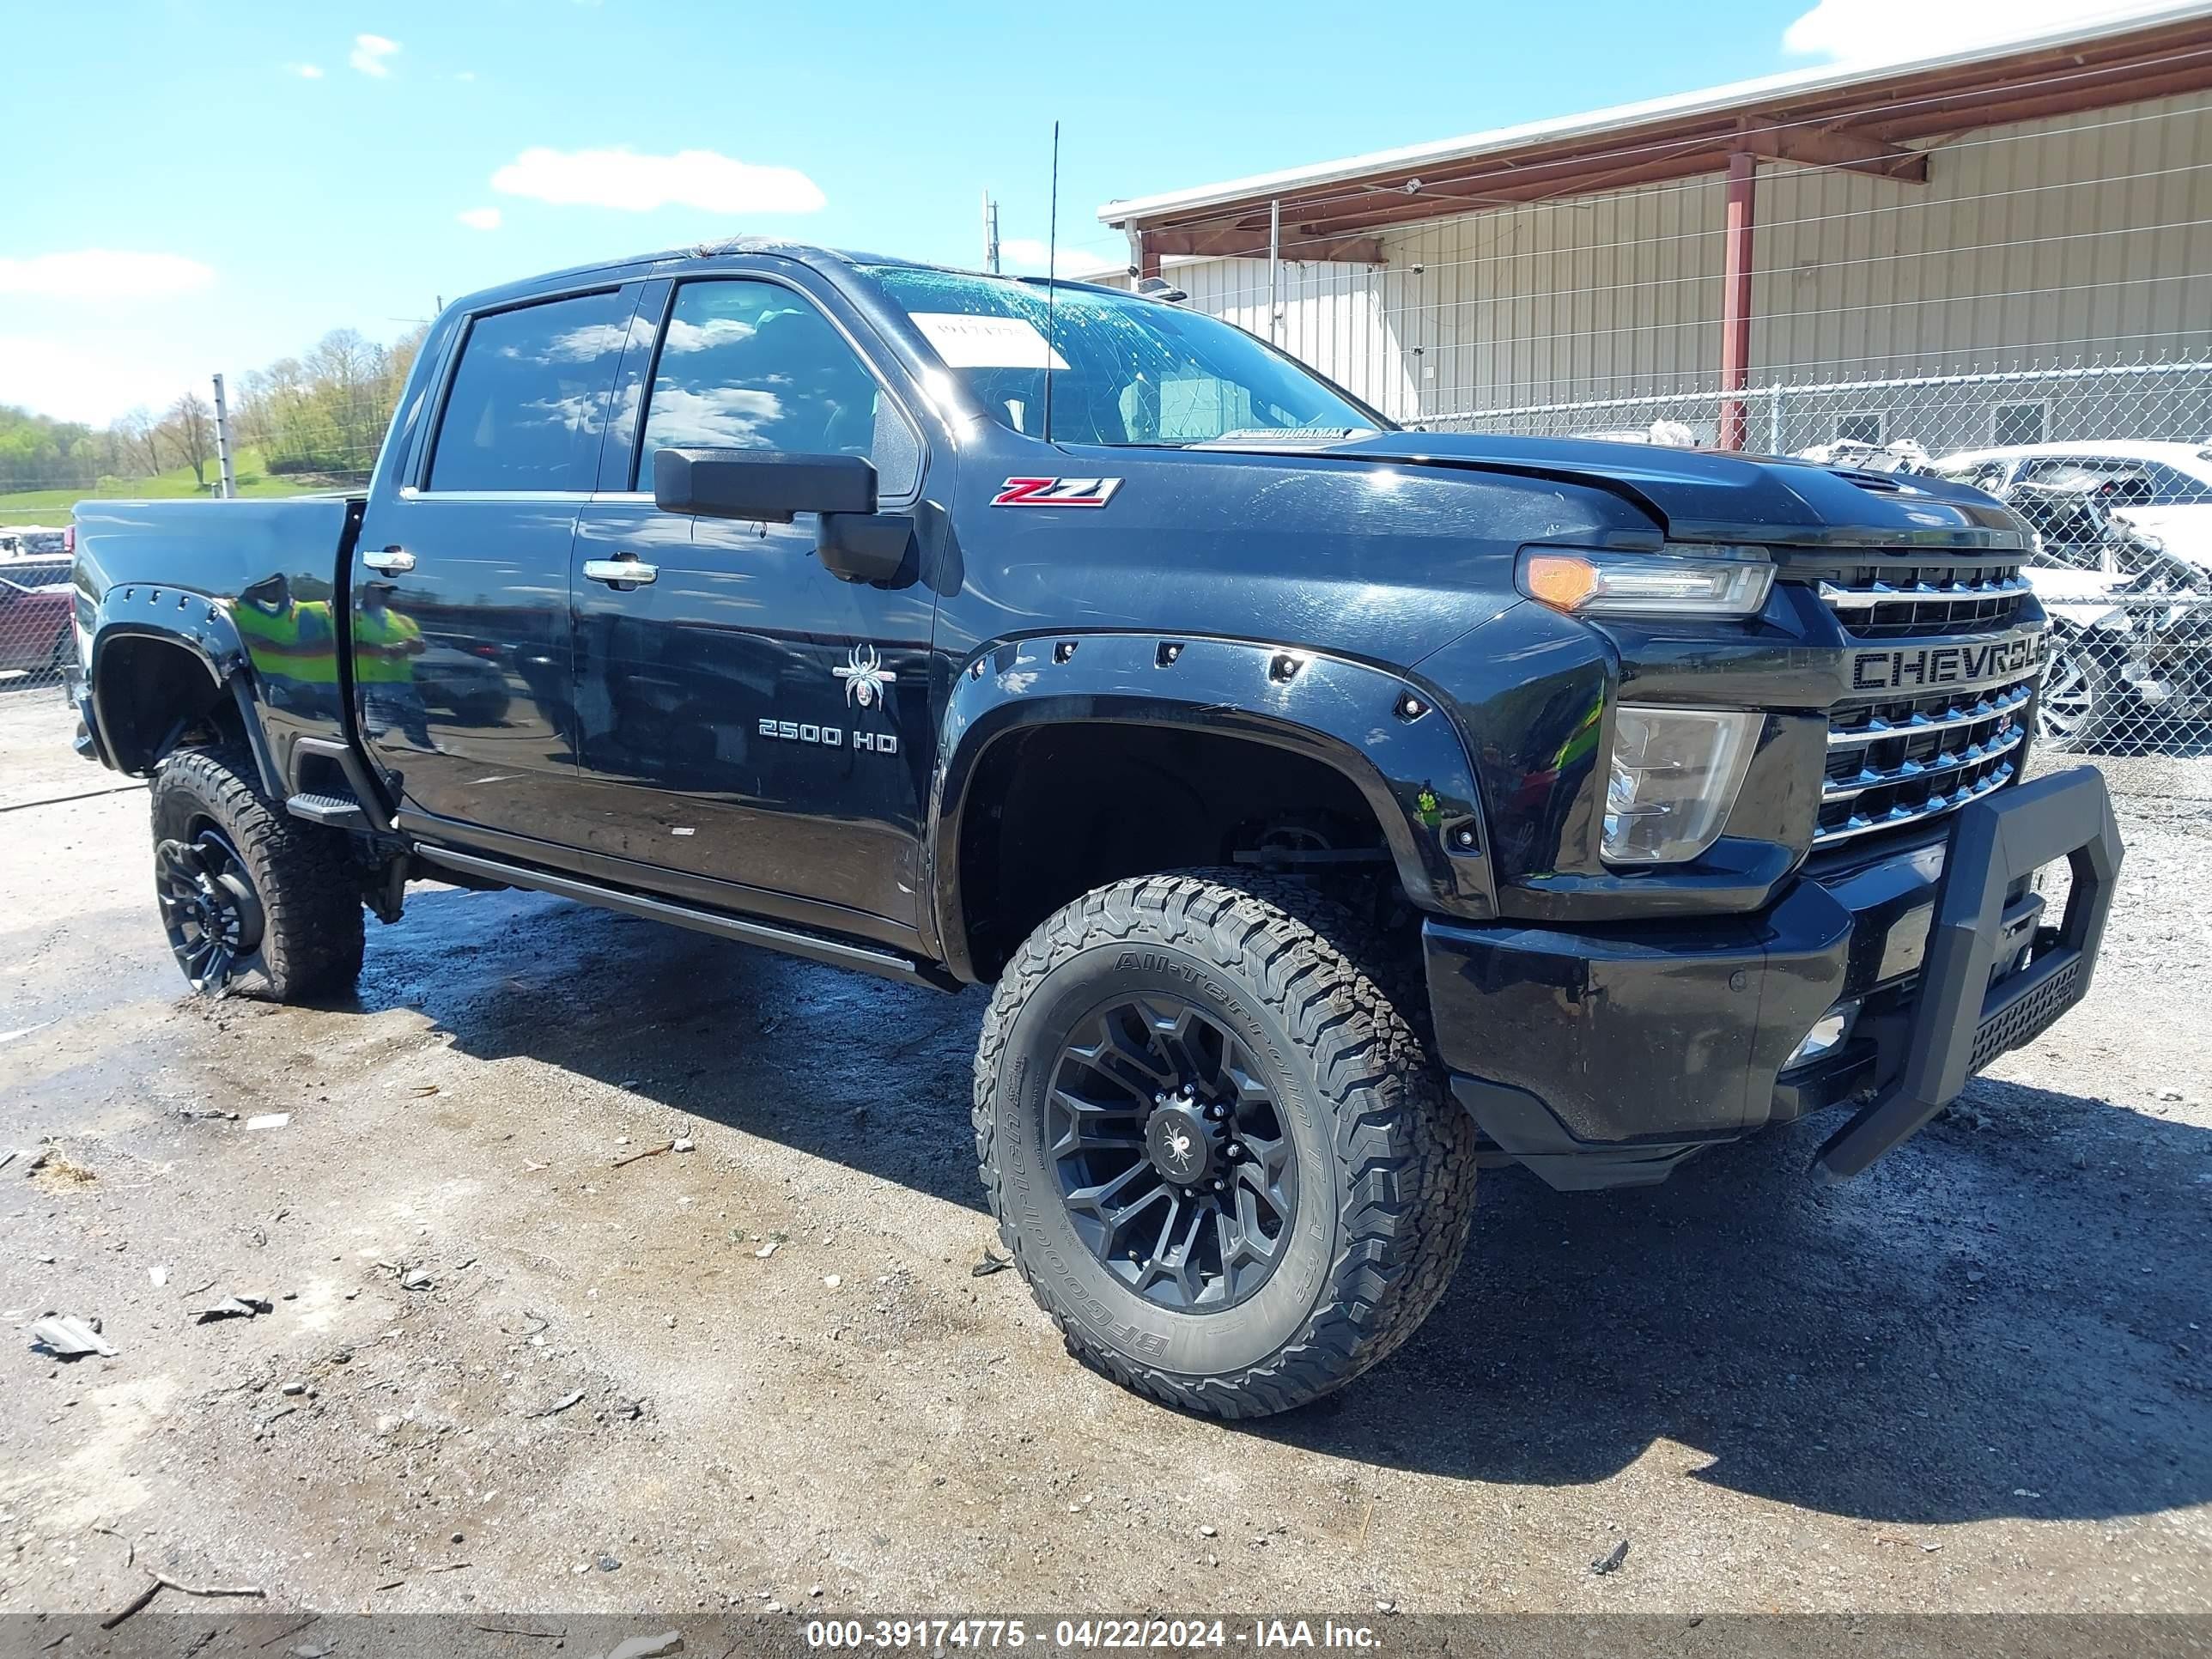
(223, 450)
(990, 235)
(1275, 272)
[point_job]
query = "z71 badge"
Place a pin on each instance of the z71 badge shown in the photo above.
(1055, 492)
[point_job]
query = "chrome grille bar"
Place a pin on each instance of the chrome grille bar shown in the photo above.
(1866, 599)
(2003, 741)
(1934, 806)
(2001, 702)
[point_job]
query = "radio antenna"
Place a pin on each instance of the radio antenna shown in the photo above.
(1051, 278)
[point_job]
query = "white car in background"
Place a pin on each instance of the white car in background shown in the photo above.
(2124, 568)
(2164, 489)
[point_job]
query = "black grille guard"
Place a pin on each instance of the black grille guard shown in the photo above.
(1961, 1021)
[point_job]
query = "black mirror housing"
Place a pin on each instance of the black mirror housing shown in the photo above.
(765, 486)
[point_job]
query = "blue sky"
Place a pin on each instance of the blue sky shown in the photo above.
(212, 184)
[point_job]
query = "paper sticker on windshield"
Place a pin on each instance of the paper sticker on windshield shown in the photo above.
(966, 342)
(1056, 492)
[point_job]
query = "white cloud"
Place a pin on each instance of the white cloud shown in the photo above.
(305, 71)
(98, 273)
(1887, 31)
(464, 74)
(623, 179)
(369, 54)
(480, 218)
(1022, 253)
(71, 384)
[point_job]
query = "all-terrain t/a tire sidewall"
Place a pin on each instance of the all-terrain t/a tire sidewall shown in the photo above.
(312, 937)
(1227, 1339)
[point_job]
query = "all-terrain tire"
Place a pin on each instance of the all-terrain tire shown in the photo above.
(1387, 1158)
(303, 874)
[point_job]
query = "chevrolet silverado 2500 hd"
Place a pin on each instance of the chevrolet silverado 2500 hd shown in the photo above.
(1335, 808)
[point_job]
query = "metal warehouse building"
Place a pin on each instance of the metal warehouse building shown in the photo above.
(2005, 245)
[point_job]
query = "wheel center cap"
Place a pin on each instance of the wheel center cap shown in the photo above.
(1182, 1143)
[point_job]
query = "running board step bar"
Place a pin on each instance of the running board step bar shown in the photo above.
(338, 811)
(837, 952)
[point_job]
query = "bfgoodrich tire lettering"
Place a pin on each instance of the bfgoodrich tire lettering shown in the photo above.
(1385, 1163)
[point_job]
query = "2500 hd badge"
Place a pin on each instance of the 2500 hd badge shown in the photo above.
(1925, 667)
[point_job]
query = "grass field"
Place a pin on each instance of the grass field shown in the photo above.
(27, 507)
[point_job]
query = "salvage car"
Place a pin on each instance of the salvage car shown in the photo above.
(2131, 620)
(1331, 809)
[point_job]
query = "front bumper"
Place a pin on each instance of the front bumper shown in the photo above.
(1605, 1055)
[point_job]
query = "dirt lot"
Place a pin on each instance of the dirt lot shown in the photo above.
(1977, 1378)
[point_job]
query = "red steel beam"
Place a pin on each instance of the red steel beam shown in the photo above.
(1735, 297)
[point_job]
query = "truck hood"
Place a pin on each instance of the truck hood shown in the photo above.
(1701, 495)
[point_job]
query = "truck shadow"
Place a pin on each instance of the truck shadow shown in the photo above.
(1995, 1321)
(1975, 1327)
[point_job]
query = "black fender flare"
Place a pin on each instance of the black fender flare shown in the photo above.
(1383, 730)
(194, 623)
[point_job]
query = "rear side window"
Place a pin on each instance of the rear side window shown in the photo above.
(529, 400)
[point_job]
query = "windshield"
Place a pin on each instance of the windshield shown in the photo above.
(1124, 370)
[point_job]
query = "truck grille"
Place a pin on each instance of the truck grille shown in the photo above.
(1893, 764)
(1888, 602)
(1897, 758)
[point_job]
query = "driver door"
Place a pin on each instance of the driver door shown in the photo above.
(747, 720)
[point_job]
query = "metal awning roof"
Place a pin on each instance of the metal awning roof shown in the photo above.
(1865, 118)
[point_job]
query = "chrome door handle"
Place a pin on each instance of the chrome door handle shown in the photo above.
(390, 562)
(627, 569)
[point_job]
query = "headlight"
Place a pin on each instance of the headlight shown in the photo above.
(1685, 579)
(1675, 775)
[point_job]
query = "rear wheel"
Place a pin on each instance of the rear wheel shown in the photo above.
(253, 901)
(1215, 1146)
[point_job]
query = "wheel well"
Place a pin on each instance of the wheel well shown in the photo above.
(153, 695)
(1057, 811)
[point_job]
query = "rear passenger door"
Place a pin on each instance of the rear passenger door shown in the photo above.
(747, 723)
(463, 669)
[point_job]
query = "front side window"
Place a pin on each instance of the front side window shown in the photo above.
(1124, 370)
(753, 365)
(530, 398)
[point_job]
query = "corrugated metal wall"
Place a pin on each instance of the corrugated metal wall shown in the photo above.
(2081, 238)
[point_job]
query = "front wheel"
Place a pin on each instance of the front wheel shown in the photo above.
(253, 899)
(1216, 1147)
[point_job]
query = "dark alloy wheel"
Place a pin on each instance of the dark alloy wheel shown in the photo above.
(255, 902)
(213, 916)
(1174, 1164)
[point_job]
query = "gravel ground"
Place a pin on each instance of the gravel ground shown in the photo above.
(501, 1371)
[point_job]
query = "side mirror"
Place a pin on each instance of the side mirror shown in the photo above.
(762, 485)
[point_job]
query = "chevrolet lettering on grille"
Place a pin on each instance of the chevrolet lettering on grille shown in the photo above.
(1926, 667)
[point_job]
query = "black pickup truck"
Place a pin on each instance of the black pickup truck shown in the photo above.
(1336, 808)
